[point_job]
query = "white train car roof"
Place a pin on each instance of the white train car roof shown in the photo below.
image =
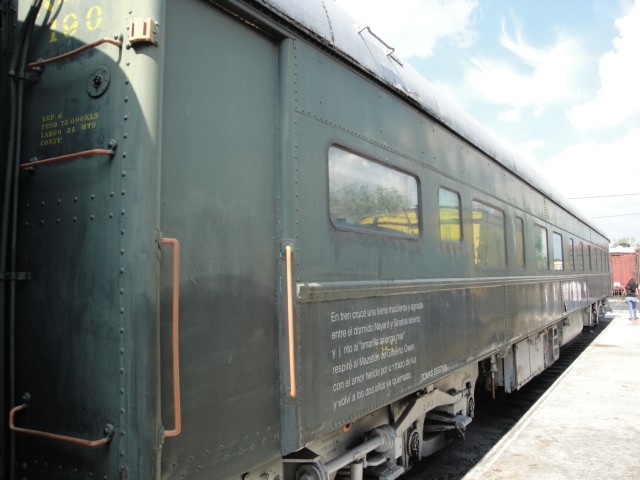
(623, 250)
(332, 26)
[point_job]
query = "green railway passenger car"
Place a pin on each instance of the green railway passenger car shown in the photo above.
(241, 239)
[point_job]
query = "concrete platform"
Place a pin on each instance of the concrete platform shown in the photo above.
(587, 425)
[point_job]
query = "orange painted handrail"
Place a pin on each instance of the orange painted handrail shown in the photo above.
(71, 53)
(292, 356)
(175, 337)
(70, 156)
(55, 436)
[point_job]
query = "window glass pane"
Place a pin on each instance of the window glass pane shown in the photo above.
(590, 265)
(542, 250)
(558, 257)
(450, 217)
(488, 236)
(367, 196)
(580, 256)
(600, 261)
(520, 242)
(572, 256)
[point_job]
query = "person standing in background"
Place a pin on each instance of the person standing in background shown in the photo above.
(631, 297)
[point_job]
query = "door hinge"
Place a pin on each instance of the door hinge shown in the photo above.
(143, 30)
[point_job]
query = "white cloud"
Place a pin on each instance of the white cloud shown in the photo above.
(414, 27)
(527, 152)
(604, 172)
(619, 96)
(531, 77)
(510, 115)
(591, 168)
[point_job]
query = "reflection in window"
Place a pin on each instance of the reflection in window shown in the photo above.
(450, 218)
(572, 256)
(542, 250)
(520, 242)
(488, 236)
(558, 258)
(367, 196)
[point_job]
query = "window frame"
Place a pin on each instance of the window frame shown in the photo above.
(555, 236)
(572, 254)
(355, 228)
(521, 257)
(503, 265)
(581, 256)
(460, 238)
(541, 228)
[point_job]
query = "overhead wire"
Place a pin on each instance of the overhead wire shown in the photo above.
(605, 196)
(619, 215)
(609, 196)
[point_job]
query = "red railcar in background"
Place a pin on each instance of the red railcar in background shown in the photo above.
(624, 265)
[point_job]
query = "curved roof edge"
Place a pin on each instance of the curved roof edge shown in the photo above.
(332, 26)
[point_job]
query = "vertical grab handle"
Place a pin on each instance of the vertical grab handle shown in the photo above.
(288, 251)
(175, 310)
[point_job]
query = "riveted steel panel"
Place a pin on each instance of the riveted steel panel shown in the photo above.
(219, 200)
(355, 355)
(86, 329)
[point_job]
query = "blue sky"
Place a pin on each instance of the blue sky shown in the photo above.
(557, 80)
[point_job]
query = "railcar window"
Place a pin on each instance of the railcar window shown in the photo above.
(450, 218)
(598, 259)
(589, 257)
(488, 236)
(572, 256)
(542, 248)
(581, 256)
(558, 256)
(368, 196)
(520, 242)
